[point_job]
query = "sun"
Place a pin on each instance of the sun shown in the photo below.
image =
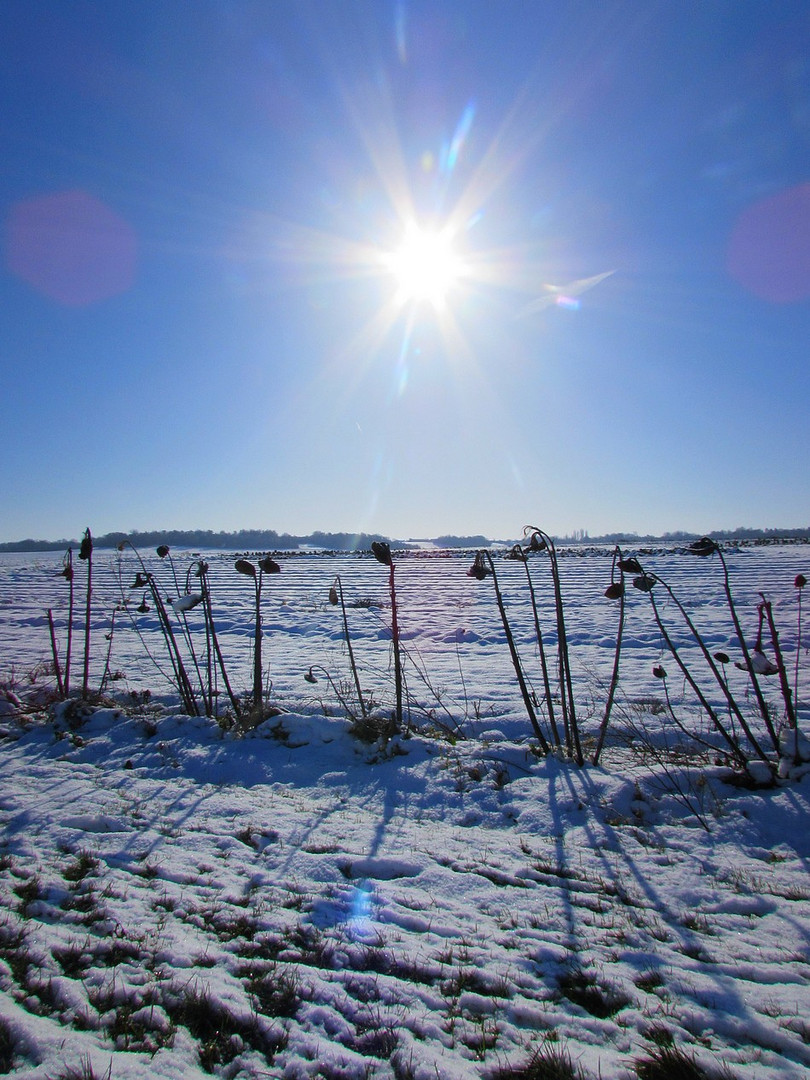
(426, 267)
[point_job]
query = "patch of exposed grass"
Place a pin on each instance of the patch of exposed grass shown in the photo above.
(550, 1062)
(220, 1034)
(83, 1071)
(84, 864)
(276, 992)
(6, 1048)
(599, 999)
(671, 1063)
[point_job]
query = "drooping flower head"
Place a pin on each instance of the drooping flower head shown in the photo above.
(86, 549)
(479, 568)
(703, 547)
(381, 552)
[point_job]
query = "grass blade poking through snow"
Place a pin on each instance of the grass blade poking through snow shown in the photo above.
(382, 553)
(86, 555)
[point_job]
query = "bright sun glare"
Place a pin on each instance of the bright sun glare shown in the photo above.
(425, 266)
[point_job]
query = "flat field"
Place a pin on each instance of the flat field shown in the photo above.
(185, 896)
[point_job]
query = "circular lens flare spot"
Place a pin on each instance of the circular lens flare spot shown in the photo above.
(425, 267)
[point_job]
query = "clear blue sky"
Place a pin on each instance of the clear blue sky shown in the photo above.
(199, 327)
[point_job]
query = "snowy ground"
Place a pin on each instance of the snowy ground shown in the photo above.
(182, 900)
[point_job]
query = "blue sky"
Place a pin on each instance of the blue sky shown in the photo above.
(200, 327)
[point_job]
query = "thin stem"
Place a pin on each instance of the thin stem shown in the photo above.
(186, 631)
(614, 679)
(106, 673)
(183, 684)
(209, 616)
(349, 647)
(57, 670)
(524, 690)
(543, 662)
(69, 574)
(798, 652)
(721, 681)
(89, 556)
(566, 682)
(257, 646)
(733, 745)
(395, 640)
(763, 705)
(681, 726)
(343, 703)
(780, 664)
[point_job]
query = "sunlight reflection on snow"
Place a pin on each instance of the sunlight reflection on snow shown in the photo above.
(359, 920)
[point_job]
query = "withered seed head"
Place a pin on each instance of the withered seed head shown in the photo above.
(630, 566)
(86, 549)
(382, 552)
(644, 582)
(479, 568)
(703, 547)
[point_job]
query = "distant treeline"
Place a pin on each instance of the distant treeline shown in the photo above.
(270, 540)
(243, 540)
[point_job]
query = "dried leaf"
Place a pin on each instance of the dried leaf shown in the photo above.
(245, 567)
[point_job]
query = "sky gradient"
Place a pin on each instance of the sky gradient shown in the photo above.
(198, 323)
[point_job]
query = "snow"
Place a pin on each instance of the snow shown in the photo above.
(184, 899)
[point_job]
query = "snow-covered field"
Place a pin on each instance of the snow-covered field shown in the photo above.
(182, 899)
